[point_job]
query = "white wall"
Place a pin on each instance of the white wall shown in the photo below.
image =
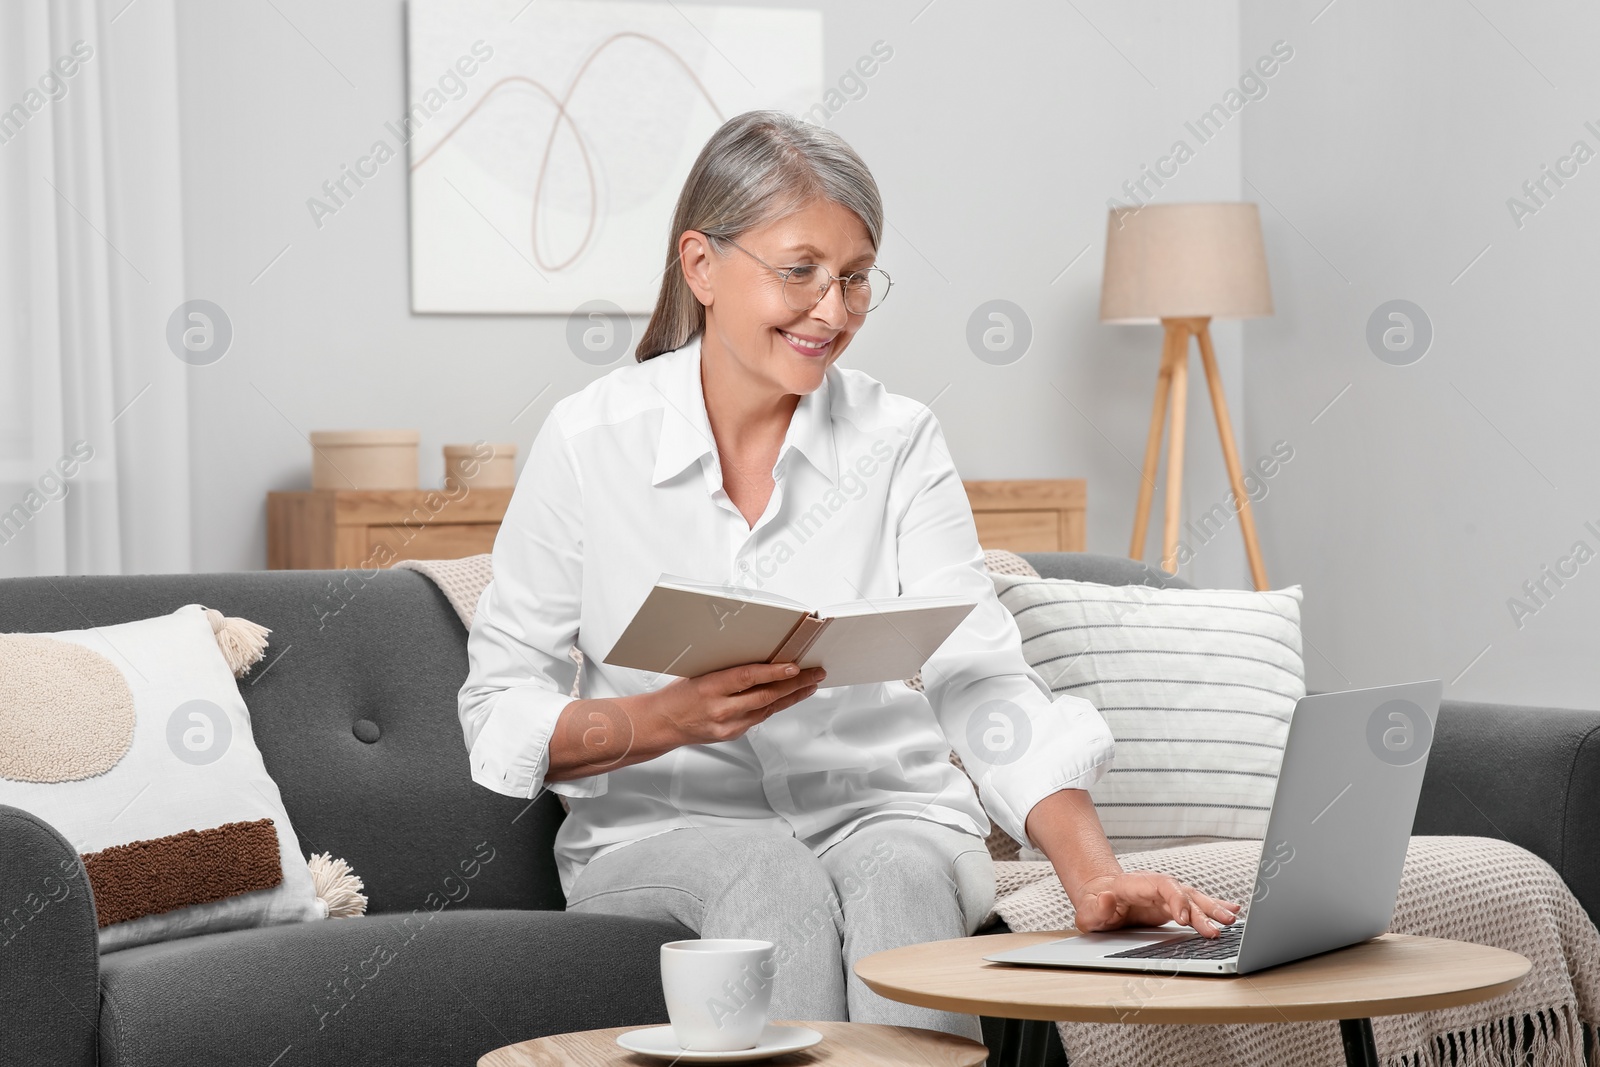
(997, 133)
(1419, 504)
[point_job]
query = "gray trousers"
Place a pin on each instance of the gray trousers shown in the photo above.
(897, 880)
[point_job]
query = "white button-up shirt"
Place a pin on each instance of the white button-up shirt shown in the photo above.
(624, 482)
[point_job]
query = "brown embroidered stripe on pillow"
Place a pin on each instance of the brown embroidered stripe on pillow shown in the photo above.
(192, 867)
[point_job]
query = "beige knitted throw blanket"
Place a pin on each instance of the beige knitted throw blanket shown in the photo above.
(1466, 888)
(461, 580)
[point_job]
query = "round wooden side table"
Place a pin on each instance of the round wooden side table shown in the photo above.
(1389, 975)
(856, 1044)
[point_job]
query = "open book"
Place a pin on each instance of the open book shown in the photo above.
(687, 628)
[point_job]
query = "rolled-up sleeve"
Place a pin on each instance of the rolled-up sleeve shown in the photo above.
(1017, 742)
(519, 674)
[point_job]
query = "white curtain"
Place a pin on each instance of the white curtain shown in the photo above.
(94, 470)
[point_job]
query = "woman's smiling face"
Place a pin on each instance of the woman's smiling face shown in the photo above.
(746, 313)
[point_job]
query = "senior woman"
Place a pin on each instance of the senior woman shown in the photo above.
(749, 802)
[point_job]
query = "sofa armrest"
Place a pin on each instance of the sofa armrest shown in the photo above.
(1526, 775)
(49, 946)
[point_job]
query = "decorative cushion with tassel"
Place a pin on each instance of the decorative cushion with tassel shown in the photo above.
(134, 742)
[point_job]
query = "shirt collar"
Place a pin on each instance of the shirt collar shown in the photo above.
(686, 436)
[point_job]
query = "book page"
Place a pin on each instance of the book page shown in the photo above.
(882, 646)
(689, 632)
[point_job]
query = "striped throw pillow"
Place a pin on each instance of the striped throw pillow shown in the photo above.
(1197, 685)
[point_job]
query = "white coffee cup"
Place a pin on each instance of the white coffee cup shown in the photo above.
(718, 991)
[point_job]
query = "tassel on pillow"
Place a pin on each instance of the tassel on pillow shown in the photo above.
(243, 642)
(338, 888)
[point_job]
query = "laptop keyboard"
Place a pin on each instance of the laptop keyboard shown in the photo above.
(1224, 946)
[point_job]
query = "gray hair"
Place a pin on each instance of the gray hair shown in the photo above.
(758, 167)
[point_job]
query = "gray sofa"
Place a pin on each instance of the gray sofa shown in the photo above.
(356, 720)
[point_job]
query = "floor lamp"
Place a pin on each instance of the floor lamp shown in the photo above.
(1183, 265)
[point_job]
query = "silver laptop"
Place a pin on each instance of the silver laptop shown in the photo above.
(1332, 858)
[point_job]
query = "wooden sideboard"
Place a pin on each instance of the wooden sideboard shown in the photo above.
(329, 529)
(1030, 515)
(323, 529)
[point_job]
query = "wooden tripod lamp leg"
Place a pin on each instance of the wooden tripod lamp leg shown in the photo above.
(1178, 404)
(1219, 403)
(1152, 448)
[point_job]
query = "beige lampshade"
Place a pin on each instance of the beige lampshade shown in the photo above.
(1168, 261)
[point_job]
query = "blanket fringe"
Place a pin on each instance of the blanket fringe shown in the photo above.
(1552, 1037)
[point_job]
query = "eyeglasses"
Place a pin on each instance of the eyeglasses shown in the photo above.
(805, 285)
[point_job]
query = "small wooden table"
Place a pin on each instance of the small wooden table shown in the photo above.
(856, 1044)
(1389, 975)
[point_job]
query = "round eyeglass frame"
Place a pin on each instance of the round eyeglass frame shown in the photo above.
(822, 291)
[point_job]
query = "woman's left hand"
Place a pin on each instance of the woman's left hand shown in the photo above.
(1148, 898)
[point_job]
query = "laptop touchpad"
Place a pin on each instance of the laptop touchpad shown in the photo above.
(1094, 946)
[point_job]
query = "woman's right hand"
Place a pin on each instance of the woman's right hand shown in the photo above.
(722, 705)
(599, 735)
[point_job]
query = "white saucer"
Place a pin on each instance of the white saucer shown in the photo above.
(775, 1040)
